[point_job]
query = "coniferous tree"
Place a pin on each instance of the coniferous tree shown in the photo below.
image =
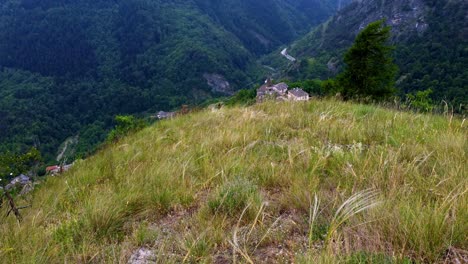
(370, 70)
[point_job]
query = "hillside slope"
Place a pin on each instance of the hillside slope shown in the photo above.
(239, 183)
(431, 39)
(264, 25)
(103, 58)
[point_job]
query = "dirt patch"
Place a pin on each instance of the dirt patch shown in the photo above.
(456, 256)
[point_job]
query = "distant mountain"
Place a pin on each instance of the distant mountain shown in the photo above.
(431, 38)
(264, 25)
(68, 66)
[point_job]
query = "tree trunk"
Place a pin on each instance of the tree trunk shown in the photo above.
(13, 206)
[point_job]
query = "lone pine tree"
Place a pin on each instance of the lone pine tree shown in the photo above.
(370, 70)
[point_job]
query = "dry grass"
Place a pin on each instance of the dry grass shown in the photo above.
(239, 185)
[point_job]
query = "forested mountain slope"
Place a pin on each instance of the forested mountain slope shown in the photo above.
(263, 25)
(67, 67)
(431, 39)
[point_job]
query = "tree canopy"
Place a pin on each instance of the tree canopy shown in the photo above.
(370, 70)
(11, 165)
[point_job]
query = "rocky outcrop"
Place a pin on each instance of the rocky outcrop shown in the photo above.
(333, 65)
(218, 83)
(405, 16)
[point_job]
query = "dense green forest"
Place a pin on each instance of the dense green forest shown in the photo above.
(68, 67)
(431, 39)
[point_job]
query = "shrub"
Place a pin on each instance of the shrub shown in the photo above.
(421, 101)
(125, 125)
(243, 97)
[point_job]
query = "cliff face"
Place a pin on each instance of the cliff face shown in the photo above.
(407, 17)
(403, 15)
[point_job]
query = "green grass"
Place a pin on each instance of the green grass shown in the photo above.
(239, 184)
(233, 197)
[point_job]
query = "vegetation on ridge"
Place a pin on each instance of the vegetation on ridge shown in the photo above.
(239, 184)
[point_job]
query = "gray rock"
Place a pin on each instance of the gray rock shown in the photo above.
(18, 181)
(142, 256)
(218, 83)
(333, 64)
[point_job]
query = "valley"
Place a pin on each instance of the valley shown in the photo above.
(68, 67)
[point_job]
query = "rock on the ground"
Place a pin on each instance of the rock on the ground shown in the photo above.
(142, 256)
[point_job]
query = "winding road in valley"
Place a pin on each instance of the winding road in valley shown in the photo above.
(287, 56)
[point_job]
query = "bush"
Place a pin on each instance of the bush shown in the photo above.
(243, 97)
(421, 100)
(125, 125)
(330, 87)
(311, 86)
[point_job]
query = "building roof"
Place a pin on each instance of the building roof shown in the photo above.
(297, 92)
(20, 180)
(263, 89)
(51, 168)
(162, 114)
(283, 87)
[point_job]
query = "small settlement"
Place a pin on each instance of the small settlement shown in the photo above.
(267, 91)
(58, 169)
(165, 115)
(280, 92)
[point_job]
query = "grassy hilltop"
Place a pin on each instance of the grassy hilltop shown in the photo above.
(317, 182)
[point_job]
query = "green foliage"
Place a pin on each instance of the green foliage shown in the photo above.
(243, 97)
(370, 71)
(330, 87)
(421, 100)
(125, 125)
(311, 86)
(11, 165)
